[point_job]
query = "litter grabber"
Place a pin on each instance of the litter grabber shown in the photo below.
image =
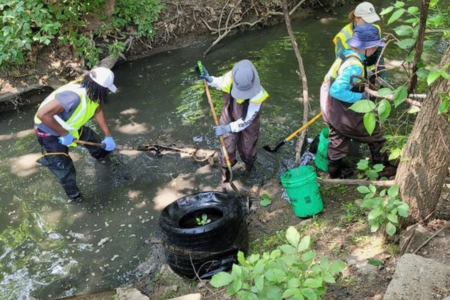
(216, 122)
(293, 135)
(197, 154)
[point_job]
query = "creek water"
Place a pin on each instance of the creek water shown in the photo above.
(51, 248)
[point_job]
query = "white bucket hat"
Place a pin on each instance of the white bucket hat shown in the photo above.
(246, 83)
(104, 77)
(366, 11)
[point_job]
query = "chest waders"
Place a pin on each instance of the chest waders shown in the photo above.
(245, 140)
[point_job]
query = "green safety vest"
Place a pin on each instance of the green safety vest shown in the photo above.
(82, 114)
(228, 82)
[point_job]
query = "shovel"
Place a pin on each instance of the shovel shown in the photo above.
(216, 121)
(267, 147)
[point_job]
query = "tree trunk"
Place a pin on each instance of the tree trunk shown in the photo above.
(426, 158)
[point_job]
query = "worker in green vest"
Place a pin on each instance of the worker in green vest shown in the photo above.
(364, 13)
(243, 97)
(61, 119)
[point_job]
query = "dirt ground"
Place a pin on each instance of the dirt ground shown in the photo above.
(340, 232)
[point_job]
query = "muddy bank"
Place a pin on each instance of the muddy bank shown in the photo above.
(180, 24)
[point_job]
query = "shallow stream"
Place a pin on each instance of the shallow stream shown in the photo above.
(50, 248)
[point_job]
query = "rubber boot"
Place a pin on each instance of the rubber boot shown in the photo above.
(334, 167)
(225, 175)
(337, 169)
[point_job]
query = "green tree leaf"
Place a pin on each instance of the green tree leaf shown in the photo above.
(294, 283)
(396, 15)
(385, 92)
(221, 279)
(309, 294)
(337, 266)
(265, 202)
(328, 278)
(406, 43)
(288, 249)
(384, 109)
(293, 236)
(395, 153)
(304, 243)
(363, 189)
(404, 30)
(400, 95)
(313, 282)
(393, 218)
(370, 122)
(259, 282)
(241, 259)
(275, 275)
(375, 262)
(309, 255)
(291, 292)
(386, 10)
(393, 191)
(399, 4)
(375, 213)
(433, 76)
(413, 9)
(363, 164)
(363, 106)
(390, 228)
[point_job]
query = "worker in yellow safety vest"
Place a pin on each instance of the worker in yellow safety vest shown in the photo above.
(340, 90)
(61, 119)
(243, 97)
(364, 13)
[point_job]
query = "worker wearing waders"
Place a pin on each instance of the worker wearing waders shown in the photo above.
(339, 91)
(60, 120)
(364, 13)
(243, 96)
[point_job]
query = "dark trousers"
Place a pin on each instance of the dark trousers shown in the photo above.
(56, 158)
(243, 141)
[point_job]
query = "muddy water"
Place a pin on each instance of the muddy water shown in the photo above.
(51, 248)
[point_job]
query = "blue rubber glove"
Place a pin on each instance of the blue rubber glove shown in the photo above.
(110, 145)
(204, 75)
(67, 139)
(221, 129)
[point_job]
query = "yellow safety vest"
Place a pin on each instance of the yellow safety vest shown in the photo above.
(345, 34)
(82, 114)
(228, 82)
(334, 70)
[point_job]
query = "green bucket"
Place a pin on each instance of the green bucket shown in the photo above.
(321, 160)
(303, 191)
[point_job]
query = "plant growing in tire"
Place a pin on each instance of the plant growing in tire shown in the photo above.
(192, 250)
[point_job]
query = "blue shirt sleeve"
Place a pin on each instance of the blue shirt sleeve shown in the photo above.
(341, 87)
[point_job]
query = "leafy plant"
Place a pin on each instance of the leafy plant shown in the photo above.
(352, 211)
(265, 200)
(385, 207)
(370, 172)
(203, 221)
(289, 272)
(30, 24)
(140, 13)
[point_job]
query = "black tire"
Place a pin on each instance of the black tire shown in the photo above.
(193, 250)
(189, 264)
(215, 236)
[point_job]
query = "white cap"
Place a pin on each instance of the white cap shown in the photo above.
(104, 77)
(366, 11)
